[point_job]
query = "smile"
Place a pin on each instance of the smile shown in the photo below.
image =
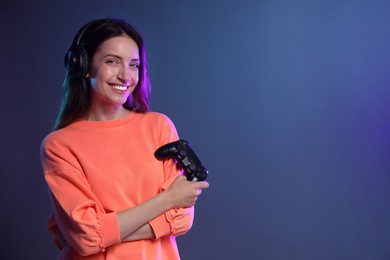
(119, 87)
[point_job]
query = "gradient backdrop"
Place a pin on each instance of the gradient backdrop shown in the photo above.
(286, 103)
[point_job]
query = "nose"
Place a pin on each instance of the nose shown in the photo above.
(124, 74)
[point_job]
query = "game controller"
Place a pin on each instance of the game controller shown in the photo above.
(188, 161)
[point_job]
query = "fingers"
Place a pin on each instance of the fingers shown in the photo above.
(181, 177)
(202, 184)
(185, 193)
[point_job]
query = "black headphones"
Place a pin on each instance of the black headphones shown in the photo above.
(76, 59)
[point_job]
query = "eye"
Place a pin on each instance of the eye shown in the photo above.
(112, 61)
(134, 65)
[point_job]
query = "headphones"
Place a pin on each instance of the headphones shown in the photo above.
(76, 59)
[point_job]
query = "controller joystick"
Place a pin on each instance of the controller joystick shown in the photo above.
(186, 157)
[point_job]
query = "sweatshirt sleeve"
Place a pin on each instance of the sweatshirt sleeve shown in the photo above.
(80, 218)
(179, 220)
(174, 222)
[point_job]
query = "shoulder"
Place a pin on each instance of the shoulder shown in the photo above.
(160, 126)
(157, 115)
(52, 142)
(57, 138)
(157, 118)
(51, 137)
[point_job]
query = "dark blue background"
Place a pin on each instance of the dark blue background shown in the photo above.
(286, 102)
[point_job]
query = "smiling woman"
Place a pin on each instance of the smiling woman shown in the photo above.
(113, 77)
(92, 44)
(111, 198)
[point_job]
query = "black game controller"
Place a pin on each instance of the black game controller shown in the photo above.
(188, 161)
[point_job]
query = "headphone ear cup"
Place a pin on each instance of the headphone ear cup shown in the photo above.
(76, 62)
(84, 62)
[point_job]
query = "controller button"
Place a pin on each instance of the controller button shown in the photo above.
(192, 168)
(182, 154)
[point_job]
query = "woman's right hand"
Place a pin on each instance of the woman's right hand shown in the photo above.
(183, 193)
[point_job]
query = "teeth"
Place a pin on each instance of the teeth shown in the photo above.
(118, 87)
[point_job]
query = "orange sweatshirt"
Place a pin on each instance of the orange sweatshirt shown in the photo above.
(95, 169)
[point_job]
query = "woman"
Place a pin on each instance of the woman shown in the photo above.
(111, 198)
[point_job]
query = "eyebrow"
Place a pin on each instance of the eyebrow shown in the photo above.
(118, 57)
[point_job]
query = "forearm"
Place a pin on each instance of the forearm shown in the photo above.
(144, 232)
(180, 194)
(181, 219)
(133, 223)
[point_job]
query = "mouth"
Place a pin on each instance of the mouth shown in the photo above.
(120, 87)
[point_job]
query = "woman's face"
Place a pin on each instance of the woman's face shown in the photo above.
(114, 72)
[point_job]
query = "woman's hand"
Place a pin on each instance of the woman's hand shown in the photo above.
(183, 193)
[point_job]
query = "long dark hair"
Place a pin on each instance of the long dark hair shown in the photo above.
(76, 100)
